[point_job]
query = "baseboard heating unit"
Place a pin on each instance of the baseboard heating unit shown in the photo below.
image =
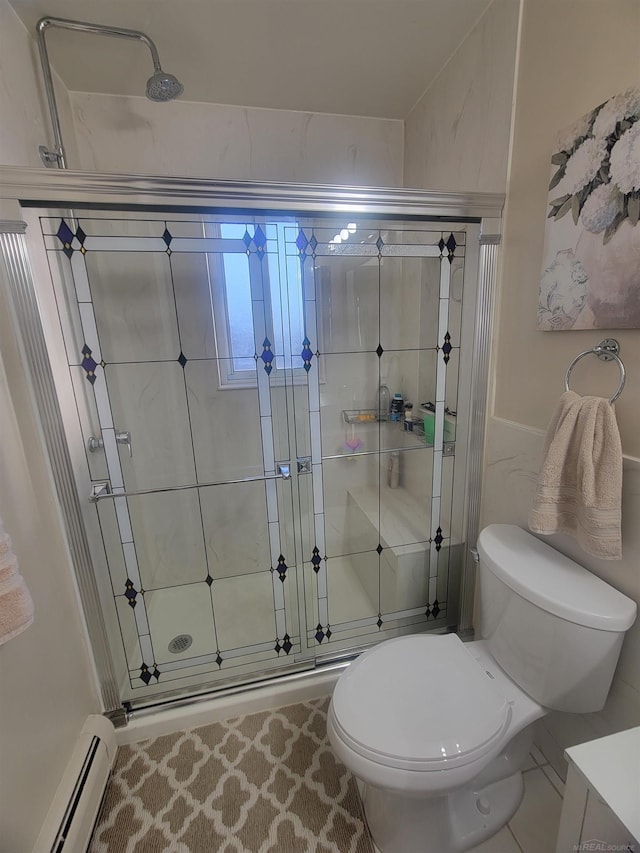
(70, 820)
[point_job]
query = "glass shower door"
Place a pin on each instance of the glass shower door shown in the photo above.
(178, 343)
(382, 509)
(253, 511)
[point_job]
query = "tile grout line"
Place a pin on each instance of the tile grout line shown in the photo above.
(514, 838)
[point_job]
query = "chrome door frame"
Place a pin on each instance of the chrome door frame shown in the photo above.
(36, 187)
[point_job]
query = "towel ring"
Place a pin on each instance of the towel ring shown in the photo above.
(606, 350)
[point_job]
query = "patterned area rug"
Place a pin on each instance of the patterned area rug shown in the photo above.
(263, 783)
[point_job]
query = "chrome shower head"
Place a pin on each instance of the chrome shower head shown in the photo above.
(163, 87)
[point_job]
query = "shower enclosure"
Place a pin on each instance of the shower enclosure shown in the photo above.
(245, 507)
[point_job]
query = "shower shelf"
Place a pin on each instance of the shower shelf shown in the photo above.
(361, 416)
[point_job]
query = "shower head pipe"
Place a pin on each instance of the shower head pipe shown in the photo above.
(57, 156)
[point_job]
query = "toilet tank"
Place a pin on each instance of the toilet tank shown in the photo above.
(555, 628)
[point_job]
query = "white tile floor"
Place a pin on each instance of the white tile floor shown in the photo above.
(534, 827)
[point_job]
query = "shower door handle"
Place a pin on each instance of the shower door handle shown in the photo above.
(125, 438)
(122, 437)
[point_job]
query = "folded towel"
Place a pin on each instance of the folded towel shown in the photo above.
(16, 606)
(580, 483)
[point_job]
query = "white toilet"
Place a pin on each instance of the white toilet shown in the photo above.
(437, 730)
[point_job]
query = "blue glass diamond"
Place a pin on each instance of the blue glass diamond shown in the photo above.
(246, 239)
(306, 354)
(64, 233)
(302, 242)
(313, 243)
(260, 239)
(88, 364)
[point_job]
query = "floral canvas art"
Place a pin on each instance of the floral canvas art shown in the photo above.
(591, 270)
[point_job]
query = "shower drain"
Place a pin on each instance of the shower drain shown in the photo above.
(180, 643)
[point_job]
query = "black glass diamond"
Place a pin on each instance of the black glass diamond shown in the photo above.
(130, 592)
(218, 659)
(379, 243)
(427, 612)
(167, 237)
(446, 348)
(277, 648)
(182, 359)
(379, 549)
(438, 539)
(316, 560)
(319, 633)
(145, 675)
(435, 609)
(451, 244)
(80, 235)
(328, 633)
(313, 243)
(156, 673)
(441, 245)
(379, 622)
(282, 568)
(379, 351)
(208, 580)
(287, 644)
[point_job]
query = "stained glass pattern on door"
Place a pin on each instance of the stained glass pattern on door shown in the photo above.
(261, 511)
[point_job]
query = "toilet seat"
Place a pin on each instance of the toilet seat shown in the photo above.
(421, 703)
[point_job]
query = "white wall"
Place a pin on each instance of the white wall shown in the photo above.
(574, 55)
(135, 135)
(457, 135)
(45, 675)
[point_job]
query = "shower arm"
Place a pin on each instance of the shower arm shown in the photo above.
(57, 156)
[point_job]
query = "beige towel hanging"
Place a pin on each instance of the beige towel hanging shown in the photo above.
(579, 487)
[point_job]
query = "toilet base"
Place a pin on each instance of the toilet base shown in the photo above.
(450, 824)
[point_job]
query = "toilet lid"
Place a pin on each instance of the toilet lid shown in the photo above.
(420, 702)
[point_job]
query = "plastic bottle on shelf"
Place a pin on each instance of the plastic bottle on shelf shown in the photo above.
(408, 417)
(397, 406)
(384, 402)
